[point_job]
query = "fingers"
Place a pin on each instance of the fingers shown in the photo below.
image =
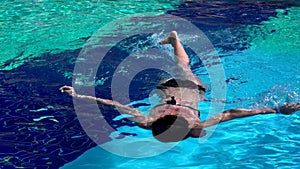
(68, 89)
(65, 88)
(289, 108)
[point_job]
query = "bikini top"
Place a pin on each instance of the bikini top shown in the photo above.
(187, 112)
(173, 102)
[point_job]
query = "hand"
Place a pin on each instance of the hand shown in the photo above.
(68, 89)
(289, 108)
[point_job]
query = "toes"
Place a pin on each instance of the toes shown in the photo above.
(173, 34)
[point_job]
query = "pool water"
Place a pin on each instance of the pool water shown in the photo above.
(258, 44)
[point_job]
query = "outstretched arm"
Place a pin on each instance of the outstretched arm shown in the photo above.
(239, 113)
(123, 108)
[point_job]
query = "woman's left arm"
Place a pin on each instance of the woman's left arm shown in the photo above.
(122, 108)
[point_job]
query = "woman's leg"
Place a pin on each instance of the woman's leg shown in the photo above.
(181, 57)
(179, 51)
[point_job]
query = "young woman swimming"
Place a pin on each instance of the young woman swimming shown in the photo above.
(177, 116)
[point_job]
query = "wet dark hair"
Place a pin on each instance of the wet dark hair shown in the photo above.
(170, 129)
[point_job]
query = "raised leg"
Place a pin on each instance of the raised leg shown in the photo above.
(179, 51)
(182, 58)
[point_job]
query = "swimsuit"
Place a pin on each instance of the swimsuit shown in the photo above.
(181, 83)
(171, 105)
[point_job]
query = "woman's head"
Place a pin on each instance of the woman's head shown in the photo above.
(170, 128)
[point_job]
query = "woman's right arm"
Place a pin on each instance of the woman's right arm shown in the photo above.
(122, 108)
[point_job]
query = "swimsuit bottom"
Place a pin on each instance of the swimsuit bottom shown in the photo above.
(181, 83)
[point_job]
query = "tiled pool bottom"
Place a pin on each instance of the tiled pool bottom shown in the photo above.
(30, 140)
(29, 93)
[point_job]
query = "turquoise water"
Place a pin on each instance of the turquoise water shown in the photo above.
(260, 61)
(264, 75)
(31, 28)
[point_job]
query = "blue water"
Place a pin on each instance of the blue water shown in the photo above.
(269, 141)
(258, 44)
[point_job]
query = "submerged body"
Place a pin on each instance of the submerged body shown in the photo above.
(177, 116)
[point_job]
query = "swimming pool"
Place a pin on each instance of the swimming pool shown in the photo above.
(258, 44)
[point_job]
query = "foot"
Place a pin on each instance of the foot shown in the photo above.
(170, 39)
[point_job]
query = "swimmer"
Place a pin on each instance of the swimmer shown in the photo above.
(177, 116)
